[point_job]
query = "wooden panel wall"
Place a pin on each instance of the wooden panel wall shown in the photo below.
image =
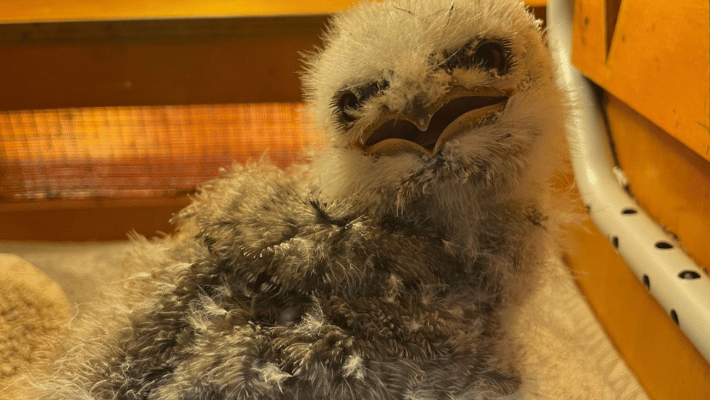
(670, 181)
(88, 220)
(154, 62)
(58, 10)
(654, 58)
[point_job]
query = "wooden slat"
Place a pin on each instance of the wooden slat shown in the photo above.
(671, 182)
(124, 133)
(88, 220)
(589, 34)
(150, 151)
(657, 63)
(58, 10)
(157, 62)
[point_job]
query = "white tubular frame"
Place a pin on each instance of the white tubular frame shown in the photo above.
(676, 282)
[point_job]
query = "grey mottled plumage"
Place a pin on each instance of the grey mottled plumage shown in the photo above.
(386, 269)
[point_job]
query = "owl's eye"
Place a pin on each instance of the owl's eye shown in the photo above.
(489, 55)
(347, 102)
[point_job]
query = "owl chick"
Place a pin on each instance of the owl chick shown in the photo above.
(389, 267)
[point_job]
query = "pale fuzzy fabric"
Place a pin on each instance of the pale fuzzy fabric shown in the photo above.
(78, 268)
(33, 309)
(567, 352)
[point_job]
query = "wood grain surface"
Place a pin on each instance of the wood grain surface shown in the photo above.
(657, 61)
(57, 10)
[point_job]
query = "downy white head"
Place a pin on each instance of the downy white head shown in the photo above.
(453, 99)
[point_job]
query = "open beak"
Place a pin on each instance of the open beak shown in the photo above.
(425, 129)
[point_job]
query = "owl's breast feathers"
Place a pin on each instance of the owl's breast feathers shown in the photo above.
(292, 294)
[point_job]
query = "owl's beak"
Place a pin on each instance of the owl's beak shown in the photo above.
(416, 112)
(425, 128)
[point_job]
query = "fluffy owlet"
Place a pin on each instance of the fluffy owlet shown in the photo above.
(390, 266)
